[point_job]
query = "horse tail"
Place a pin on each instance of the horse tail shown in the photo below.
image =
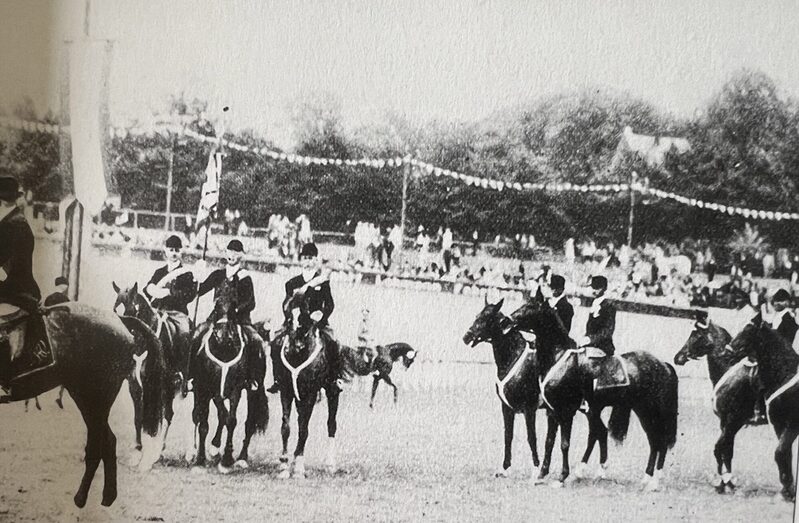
(155, 389)
(258, 410)
(670, 408)
(619, 422)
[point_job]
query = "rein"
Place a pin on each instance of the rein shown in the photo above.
(295, 371)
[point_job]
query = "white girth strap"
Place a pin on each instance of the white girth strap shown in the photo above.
(139, 360)
(789, 384)
(556, 368)
(501, 383)
(224, 366)
(295, 371)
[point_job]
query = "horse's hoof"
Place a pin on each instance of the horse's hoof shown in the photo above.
(284, 474)
(601, 472)
(108, 499)
(241, 464)
(788, 495)
(80, 500)
(223, 469)
(213, 451)
(581, 471)
(556, 484)
(501, 473)
(535, 472)
(652, 486)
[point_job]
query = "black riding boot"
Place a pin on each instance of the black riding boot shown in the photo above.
(276, 368)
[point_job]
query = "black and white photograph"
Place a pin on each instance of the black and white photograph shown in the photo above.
(441, 260)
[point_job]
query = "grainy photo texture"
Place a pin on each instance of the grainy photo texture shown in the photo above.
(438, 260)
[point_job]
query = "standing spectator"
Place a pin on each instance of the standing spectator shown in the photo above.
(446, 248)
(568, 250)
(475, 242)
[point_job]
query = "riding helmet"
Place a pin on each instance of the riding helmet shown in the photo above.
(235, 245)
(174, 242)
(9, 188)
(781, 295)
(557, 282)
(599, 283)
(309, 250)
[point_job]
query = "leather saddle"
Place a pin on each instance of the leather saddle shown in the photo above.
(25, 336)
(609, 371)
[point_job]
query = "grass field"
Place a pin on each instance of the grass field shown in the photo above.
(430, 457)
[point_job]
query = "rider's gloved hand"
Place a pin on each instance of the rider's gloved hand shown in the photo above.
(584, 341)
(316, 316)
(3, 274)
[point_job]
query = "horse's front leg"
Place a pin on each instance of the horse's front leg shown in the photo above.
(227, 455)
(221, 421)
(304, 412)
(332, 426)
(508, 417)
(200, 418)
(552, 432)
(286, 401)
(565, 440)
(529, 419)
(783, 456)
(375, 383)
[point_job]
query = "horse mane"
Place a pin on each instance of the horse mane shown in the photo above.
(787, 357)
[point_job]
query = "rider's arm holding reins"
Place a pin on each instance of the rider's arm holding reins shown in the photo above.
(184, 288)
(246, 295)
(211, 282)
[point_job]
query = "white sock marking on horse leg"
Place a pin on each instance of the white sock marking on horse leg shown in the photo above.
(726, 477)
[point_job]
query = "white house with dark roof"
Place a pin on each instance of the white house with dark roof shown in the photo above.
(651, 149)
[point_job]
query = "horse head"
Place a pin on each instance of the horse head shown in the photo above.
(132, 302)
(409, 357)
(750, 339)
(488, 324)
(703, 340)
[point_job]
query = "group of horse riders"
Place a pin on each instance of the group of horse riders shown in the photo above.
(170, 290)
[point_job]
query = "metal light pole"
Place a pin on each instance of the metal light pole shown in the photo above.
(633, 180)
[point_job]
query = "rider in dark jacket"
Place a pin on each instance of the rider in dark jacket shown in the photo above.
(601, 319)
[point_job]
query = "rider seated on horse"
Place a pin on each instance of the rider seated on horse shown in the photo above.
(234, 300)
(601, 320)
(171, 289)
(557, 300)
(784, 323)
(18, 290)
(315, 310)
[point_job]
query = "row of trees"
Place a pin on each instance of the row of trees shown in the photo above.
(745, 151)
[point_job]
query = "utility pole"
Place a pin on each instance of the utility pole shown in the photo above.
(169, 172)
(633, 181)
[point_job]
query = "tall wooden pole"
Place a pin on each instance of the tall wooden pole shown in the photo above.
(169, 172)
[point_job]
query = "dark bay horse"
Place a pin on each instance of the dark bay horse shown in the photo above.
(735, 389)
(651, 393)
(779, 375)
(174, 348)
(380, 367)
(305, 361)
(93, 353)
(517, 384)
(227, 362)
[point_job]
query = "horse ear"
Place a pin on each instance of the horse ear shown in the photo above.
(115, 286)
(498, 305)
(135, 288)
(485, 299)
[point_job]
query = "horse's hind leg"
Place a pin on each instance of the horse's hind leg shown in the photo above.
(565, 442)
(332, 426)
(375, 383)
(529, 420)
(96, 418)
(723, 451)
(783, 456)
(135, 395)
(109, 467)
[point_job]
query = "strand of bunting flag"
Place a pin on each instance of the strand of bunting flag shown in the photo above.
(424, 167)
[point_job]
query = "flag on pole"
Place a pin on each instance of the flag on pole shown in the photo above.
(209, 195)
